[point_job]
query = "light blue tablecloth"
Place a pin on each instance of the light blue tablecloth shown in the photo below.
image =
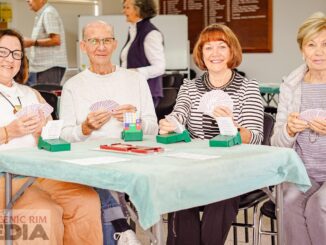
(158, 184)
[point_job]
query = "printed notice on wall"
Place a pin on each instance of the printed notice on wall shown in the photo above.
(251, 20)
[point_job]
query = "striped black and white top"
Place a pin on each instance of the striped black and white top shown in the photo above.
(247, 109)
(311, 146)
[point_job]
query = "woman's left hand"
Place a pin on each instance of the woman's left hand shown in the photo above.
(319, 126)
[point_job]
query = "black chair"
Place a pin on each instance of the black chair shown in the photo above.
(52, 100)
(174, 80)
(167, 103)
(253, 198)
(56, 89)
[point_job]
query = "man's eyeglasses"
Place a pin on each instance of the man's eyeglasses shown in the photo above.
(16, 54)
(96, 42)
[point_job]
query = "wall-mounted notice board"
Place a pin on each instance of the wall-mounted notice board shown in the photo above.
(251, 20)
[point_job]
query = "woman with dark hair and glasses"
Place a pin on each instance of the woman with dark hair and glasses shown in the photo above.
(144, 50)
(72, 211)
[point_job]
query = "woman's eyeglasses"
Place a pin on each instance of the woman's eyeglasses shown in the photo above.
(16, 54)
(96, 42)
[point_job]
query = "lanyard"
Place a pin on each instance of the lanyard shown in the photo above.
(16, 107)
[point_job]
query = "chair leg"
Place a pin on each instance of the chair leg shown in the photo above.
(259, 228)
(254, 226)
(245, 212)
(235, 235)
(273, 230)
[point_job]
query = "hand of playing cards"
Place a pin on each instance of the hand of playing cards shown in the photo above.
(108, 105)
(312, 114)
(213, 99)
(34, 109)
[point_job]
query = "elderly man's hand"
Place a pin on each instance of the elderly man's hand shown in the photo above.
(95, 120)
(120, 110)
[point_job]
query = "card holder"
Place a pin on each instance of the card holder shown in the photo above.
(128, 148)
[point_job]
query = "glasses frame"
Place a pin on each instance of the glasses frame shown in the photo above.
(12, 52)
(95, 42)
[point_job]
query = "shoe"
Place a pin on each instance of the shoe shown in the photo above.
(126, 238)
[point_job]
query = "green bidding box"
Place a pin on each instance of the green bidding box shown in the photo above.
(173, 137)
(53, 145)
(225, 140)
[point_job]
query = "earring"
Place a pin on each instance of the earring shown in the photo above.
(303, 58)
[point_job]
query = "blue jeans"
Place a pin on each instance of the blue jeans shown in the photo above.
(111, 210)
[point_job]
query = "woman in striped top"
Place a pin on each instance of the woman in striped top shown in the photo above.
(304, 89)
(217, 52)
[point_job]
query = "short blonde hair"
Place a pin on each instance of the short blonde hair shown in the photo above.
(218, 32)
(310, 27)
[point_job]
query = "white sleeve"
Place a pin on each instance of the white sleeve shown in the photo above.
(280, 136)
(147, 110)
(71, 132)
(154, 52)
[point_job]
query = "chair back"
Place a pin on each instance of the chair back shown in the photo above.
(268, 128)
(174, 80)
(54, 88)
(167, 103)
(52, 100)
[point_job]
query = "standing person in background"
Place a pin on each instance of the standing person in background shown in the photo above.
(48, 56)
(217, 52)
(304, 89)
(144, 50)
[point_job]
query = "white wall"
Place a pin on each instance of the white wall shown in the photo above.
(266, 67)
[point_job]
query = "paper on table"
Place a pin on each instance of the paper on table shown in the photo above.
(192, 156)
(96, 160)
(52, 130)
(226, 126)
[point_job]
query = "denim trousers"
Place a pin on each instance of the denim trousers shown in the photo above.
(110, 210)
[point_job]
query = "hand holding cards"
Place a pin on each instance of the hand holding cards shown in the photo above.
(313, 114)
(213, 99)
(108, 105)
(34, 109)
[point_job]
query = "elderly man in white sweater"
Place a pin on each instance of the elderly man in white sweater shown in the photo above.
(103, 80)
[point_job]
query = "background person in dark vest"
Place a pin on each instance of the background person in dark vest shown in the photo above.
(143, 50)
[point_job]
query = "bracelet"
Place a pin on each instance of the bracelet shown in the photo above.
(6, 135)
(36, 43)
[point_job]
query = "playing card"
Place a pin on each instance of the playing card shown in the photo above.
(46, 109)
(34, 109)
(213, 99)
(312, 114)
(226, 126)
(108, 105)
(179, 128)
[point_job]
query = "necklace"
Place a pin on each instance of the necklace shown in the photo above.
(16, 107)
(210, 85)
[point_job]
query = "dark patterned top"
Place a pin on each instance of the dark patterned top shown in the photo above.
(247, 107)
